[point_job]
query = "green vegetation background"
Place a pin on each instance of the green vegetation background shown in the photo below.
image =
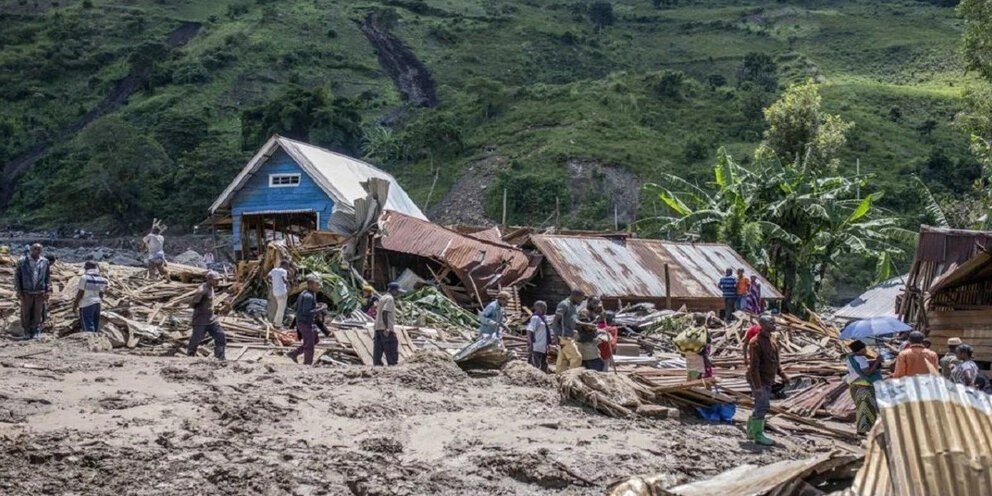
(534, 81)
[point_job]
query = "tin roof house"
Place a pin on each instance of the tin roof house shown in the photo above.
(290, 188)
(626, 270)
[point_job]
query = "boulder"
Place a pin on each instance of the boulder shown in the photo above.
(191, 258)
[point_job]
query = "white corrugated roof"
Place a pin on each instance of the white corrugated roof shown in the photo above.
(338, 175)
(878, 301)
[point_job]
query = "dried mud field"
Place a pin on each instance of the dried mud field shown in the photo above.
(79, 422)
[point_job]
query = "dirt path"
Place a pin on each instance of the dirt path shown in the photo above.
(76, 422)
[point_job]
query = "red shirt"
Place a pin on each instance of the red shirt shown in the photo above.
(606, 347)
(752, 332)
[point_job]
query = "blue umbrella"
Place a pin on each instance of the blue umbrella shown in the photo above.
(873, 328)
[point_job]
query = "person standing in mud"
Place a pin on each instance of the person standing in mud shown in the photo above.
(204, 320)
(306, 315)
(33, 285)
(539, 336)
(491, 321)
(564, 325)
(278, 280)
(763, 366)
(89, 296)
(384, 340)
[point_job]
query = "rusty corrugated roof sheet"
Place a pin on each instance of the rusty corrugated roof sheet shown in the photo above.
(632, 268)
(950, 246)
(936, 439)
(487, 263)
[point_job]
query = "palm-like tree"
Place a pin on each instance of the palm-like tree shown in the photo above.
(787, 219)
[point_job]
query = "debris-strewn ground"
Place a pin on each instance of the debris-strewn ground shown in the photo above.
(78, 422)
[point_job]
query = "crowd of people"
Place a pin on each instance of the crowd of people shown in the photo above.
(582, 329)
(740, 293)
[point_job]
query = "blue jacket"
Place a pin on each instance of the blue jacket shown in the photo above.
(728, 285)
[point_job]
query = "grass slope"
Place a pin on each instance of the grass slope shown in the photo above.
(569, 91)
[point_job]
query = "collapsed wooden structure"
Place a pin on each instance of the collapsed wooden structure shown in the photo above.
(949, 288)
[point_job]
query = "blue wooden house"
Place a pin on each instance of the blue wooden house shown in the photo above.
(290, 188)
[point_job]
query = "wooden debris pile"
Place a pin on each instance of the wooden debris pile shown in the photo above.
(811, 354)
(153, 316)
(612, 394)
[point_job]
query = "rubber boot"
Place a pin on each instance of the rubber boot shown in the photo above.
(759, 434)
(294, 355)
(750, 429)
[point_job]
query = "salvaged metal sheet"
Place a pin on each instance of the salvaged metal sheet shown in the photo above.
(782, 478)
(619, 267)
(478, 263)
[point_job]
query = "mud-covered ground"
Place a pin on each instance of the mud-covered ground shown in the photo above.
(76, 422)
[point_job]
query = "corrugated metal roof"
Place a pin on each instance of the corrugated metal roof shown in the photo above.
(626, 268)
(338, 175)
(878, 301)
(937, 440)
(783, 478)
(487, 263)
(949, 246)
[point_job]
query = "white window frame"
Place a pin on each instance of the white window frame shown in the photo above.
(272, 178)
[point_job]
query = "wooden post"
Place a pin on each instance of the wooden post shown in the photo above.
(668, 289)
(504, 208)
(616, 218)
(557, 214)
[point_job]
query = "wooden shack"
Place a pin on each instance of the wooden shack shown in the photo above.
(949, 289)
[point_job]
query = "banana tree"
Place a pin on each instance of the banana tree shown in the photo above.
(729, 214)
(786, 219)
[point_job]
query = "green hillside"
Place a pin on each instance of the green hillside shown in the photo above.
(534, 98)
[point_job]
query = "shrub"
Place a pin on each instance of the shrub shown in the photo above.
(530, 196)
(667, 84)
(190, 73)
(601, 15)
(715, 81)
(695, 149)
(759, 69)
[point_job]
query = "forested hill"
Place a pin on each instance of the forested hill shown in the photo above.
(115, 111)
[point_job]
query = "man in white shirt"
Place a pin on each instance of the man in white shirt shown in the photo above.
(89, 295)
(278, 293)
(539, 336)
(384, 339)
(155, 246)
